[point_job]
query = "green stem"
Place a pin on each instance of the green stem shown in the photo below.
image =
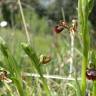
(94, 89)
(83, 22)
(85, 56)
(84, 65)
(83, 82)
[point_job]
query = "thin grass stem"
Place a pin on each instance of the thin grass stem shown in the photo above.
(24, 22)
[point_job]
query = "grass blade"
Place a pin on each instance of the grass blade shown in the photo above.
(13, 68)
(35, 61)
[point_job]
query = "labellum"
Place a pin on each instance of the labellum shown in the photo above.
(58, 28)
(45, 59)
(91, 74)
(4, 77)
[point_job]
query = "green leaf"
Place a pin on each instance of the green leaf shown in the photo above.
(90, 5)
(13, 68)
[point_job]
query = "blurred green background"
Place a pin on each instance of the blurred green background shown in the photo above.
(41, 16)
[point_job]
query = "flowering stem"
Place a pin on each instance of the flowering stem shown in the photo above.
(72, 51)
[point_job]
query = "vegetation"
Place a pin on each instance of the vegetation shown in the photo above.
(41, 55)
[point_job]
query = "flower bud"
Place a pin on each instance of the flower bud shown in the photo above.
(45, 59)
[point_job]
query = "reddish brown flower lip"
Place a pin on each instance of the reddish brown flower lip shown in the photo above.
(91, 74)
(58, 28)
